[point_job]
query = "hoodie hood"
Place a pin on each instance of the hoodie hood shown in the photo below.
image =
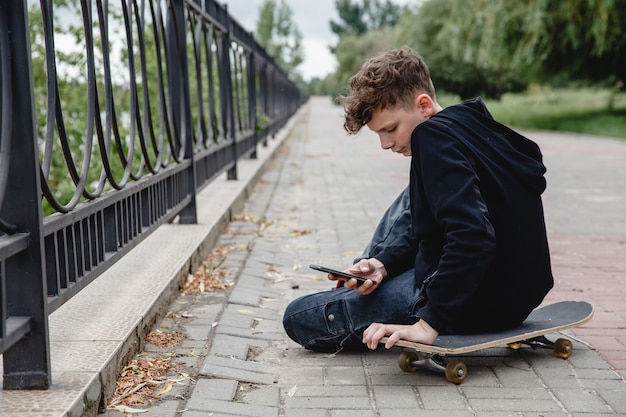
(495, 144)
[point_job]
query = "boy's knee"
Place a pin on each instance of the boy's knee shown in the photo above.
(320, 326)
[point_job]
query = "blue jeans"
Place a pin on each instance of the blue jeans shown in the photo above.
(335, 319)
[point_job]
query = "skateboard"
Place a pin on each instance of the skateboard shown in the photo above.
(544, 320)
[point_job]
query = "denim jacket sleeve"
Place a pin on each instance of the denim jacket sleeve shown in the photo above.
(398, 255)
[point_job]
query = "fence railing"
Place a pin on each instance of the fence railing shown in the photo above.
(113, 115)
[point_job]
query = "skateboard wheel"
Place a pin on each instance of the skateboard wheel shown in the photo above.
(407, 360)
(456, 372)
(563, 348)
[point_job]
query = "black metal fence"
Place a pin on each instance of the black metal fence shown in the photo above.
(113, 115)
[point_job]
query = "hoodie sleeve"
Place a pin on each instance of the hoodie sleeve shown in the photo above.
(444, 172)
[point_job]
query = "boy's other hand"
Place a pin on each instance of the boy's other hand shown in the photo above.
(420, 332)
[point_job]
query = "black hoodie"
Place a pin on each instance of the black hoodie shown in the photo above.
(479, 246)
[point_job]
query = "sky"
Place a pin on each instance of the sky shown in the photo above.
(313, 20)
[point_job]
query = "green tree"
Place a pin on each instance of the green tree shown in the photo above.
(363, 32)
(492, 46)
(451, 36)
(572, 40)
(364, 16)
(353, 50)
(279, 35)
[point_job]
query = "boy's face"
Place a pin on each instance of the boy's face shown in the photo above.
(394, 126)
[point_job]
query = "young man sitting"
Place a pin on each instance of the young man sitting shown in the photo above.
(475, 258)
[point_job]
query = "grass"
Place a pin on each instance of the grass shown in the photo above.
(570, 110)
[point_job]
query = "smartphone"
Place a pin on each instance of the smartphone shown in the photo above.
(360, 280)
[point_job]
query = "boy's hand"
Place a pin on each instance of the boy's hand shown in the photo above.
(368, 268)
(420, 332)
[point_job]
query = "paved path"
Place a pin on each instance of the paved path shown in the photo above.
(318, 204)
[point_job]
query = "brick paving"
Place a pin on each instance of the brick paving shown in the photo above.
(319, 203)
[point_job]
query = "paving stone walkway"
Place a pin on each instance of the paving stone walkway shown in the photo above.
(318, 203)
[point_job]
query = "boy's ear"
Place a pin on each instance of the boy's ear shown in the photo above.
(425, 104)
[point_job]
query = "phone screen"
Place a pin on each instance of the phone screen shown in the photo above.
(341, 274)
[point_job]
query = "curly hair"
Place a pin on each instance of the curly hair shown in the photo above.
(383, 82)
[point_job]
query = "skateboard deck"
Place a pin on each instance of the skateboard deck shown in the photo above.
(544, 320)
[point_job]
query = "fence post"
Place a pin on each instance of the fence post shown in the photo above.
(252, 101)
(227, 86)
(178, 82)
(26, 363)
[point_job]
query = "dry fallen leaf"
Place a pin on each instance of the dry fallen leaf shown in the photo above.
(210, 275)
(297, 233)
(263, 222)
(164, 339)
(129, 410)
(166, 388)
(138, 381)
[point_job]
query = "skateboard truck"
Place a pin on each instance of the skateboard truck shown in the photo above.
(562, 348)
(410, 361)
